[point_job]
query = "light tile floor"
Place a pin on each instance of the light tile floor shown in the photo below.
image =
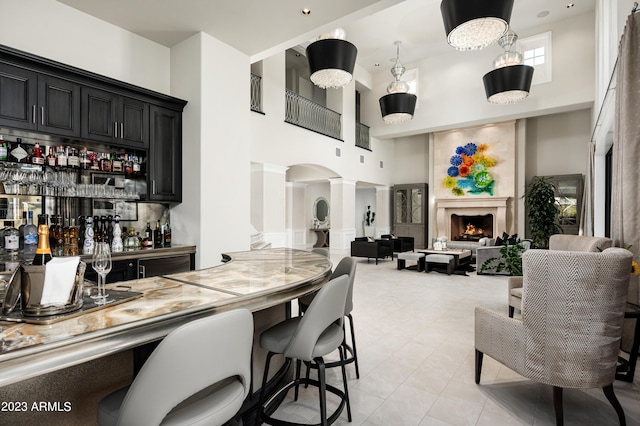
(415, 347)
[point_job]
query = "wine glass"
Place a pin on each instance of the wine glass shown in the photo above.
(101, 263)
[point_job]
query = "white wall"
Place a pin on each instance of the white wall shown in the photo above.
(558, 144)
(55, 31)
(411, 159)
(451, 92)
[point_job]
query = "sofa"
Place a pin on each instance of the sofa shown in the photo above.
(400, 244)
(377, 249)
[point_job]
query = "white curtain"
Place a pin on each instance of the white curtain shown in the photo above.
(625, 197)
(586, 215)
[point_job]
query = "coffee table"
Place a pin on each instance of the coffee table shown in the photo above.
(460, 256)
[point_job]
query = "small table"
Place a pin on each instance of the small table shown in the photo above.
(626, 368)
(460, 257)
(322, 235)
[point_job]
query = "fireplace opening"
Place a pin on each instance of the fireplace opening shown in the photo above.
(471, 228)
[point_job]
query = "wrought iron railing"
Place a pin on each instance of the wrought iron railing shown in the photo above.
(310, 115)
(256, 93)
(362, 136)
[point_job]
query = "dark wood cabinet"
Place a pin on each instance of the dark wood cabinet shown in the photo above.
(114, 119)
(36, 102)
(121, 270)
(165, 155)
(410, 203)
(165, 265)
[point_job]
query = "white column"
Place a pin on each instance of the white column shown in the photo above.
(296, 220)
(342, 208)
(268, 202)
(383, 210)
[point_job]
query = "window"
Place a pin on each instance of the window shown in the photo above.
(537, 53)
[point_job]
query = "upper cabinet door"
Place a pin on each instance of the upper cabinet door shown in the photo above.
(98, 115)
(114, 119)
(165, 156)
(58, 106)
(18, 97)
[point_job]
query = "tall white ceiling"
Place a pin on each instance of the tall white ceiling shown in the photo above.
(261, 28)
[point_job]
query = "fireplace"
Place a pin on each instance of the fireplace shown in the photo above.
(496, 214)
(471, 228)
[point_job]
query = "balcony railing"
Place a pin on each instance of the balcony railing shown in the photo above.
(362, 136)
(310, 115)
(256, 93)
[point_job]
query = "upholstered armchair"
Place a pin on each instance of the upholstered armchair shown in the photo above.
(378, 249)
(569, 334)
(400, 244)
(557, 242)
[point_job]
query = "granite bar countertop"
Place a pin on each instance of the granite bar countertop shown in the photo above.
(254, 280)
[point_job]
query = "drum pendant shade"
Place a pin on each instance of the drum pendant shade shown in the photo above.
(331, 62)
(475, 24)
(397, 107)
(509, 84)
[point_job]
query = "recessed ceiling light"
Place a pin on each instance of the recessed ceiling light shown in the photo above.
(570, 5)
(306, 11)
(543, 14)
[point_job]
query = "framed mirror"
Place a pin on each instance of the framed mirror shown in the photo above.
(321, 210)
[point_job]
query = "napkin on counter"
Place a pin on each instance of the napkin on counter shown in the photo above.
(59, 278)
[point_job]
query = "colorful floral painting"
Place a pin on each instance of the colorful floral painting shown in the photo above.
(469, 170)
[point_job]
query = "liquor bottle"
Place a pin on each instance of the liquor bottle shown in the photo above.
(104, 237)
(21, 229)
(94, 162)
(128, 167)
(11, 238)
(97, 236)
(56, 236)
(61, 157)
(85, 162)
(158, 238)
(3, 149)
(36, 156)
(116, 162)
(43, 251)
(109, 228)
(73, 160)
(72, 249)
(52, 160)
(89, 244)
(105, 162)
(135, 165)
(81, 231)
(30, 237)
(147, 240)
(167, 235)
(18, 154)
(116, 242)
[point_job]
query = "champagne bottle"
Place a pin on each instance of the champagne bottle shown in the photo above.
(43, 252)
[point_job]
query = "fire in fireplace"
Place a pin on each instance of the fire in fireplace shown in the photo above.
(471, 228)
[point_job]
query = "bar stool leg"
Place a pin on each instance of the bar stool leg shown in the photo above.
(298, 366)
(353, 343)
(264, 386)
(343, 355)
(323, 391)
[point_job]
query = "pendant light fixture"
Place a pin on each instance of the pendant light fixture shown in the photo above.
(475, 24)
(398, 105)
(510, 81)
(331, 60)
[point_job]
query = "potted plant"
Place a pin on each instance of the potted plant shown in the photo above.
(510, 260)
(542, 211)
(369, 218)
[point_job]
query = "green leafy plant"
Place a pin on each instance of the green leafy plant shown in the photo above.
(542, 211)
(510, 260)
